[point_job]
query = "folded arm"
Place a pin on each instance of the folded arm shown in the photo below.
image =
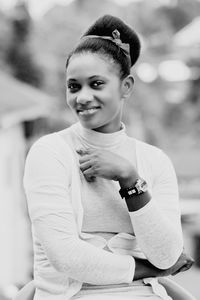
(47, 185)
(156, 217)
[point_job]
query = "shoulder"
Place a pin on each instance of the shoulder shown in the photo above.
(51, 146)
(145, 149)
(153, 157)
(151, 151)
(52, 141)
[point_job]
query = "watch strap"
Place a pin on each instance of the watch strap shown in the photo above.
(139, 187)
(128, 192)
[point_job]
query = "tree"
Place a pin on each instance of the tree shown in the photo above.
(19, 56)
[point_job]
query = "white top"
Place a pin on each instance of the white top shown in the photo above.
(58, 194)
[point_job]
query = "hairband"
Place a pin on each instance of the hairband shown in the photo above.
(115, 39)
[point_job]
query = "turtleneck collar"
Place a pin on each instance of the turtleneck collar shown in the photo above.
(95, 139)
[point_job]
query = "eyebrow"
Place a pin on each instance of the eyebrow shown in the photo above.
(90, 78)
(71, 79)
(96, 76)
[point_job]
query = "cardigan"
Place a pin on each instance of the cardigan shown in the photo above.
(64, 255)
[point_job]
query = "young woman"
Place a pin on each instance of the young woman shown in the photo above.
(104, 206)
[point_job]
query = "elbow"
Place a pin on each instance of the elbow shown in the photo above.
(168, 256)
(167, 262)
(60, 264)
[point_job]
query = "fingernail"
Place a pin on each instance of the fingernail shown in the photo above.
(79, 151)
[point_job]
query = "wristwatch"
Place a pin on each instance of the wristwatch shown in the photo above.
(140, 187)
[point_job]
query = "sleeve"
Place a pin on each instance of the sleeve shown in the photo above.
(157, 225)
(47, 187)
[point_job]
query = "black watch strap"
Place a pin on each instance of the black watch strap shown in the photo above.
(139, 187)
(128, 192)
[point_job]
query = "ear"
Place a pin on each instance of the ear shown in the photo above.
(127, 86)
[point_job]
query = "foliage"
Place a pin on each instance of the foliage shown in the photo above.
(18, 54)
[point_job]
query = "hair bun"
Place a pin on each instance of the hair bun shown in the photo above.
(105, 25)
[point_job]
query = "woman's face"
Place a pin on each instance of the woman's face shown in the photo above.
(94, 92)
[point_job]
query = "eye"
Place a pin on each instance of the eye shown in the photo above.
(73, 87)
(97, 84)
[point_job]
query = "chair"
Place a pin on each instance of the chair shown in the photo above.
(174, 290)
(27, 292)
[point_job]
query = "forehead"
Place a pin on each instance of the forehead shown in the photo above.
(90, 64)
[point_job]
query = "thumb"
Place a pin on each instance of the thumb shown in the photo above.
(82, 151)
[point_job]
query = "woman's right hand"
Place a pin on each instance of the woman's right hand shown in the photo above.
(145, 269)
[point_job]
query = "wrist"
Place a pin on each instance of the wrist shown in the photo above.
(128, 178)
(137, 202)
(136, 195)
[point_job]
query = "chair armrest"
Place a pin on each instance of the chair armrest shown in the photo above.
(174, 290)
(27, 292)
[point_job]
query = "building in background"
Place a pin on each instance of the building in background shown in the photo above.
(20, 104)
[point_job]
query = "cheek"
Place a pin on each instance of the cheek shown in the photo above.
(70, 99)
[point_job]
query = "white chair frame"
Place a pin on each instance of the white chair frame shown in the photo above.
(174, 290)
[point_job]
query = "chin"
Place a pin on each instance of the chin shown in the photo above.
(91, 125)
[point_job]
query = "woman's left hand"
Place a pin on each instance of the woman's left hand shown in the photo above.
(105, 164)
(145, 269)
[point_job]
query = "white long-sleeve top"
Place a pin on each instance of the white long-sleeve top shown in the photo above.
(59, 201)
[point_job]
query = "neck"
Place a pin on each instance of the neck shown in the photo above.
(100, 139)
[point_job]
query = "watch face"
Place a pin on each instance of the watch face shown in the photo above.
(144, 186)
(141, 186)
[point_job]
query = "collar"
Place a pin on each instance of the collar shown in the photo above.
(95, 139)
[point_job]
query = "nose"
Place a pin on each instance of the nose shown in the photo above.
(84, 96)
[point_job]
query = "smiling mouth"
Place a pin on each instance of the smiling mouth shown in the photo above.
(89, 111)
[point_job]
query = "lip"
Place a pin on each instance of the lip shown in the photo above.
(88, 111)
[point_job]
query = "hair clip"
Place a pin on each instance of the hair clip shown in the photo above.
(115, 38)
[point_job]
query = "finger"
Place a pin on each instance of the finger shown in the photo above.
(187, 266)
(184, 267)
(90, 178)
(79, 151)
(82, 151)
(85, 158)
(89, 172)
(85, 165)
(175, 273)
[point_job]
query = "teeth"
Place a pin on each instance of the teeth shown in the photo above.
(88, 111)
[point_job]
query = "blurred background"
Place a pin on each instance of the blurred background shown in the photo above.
(35, 39)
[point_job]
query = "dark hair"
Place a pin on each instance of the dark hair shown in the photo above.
(104, 26)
